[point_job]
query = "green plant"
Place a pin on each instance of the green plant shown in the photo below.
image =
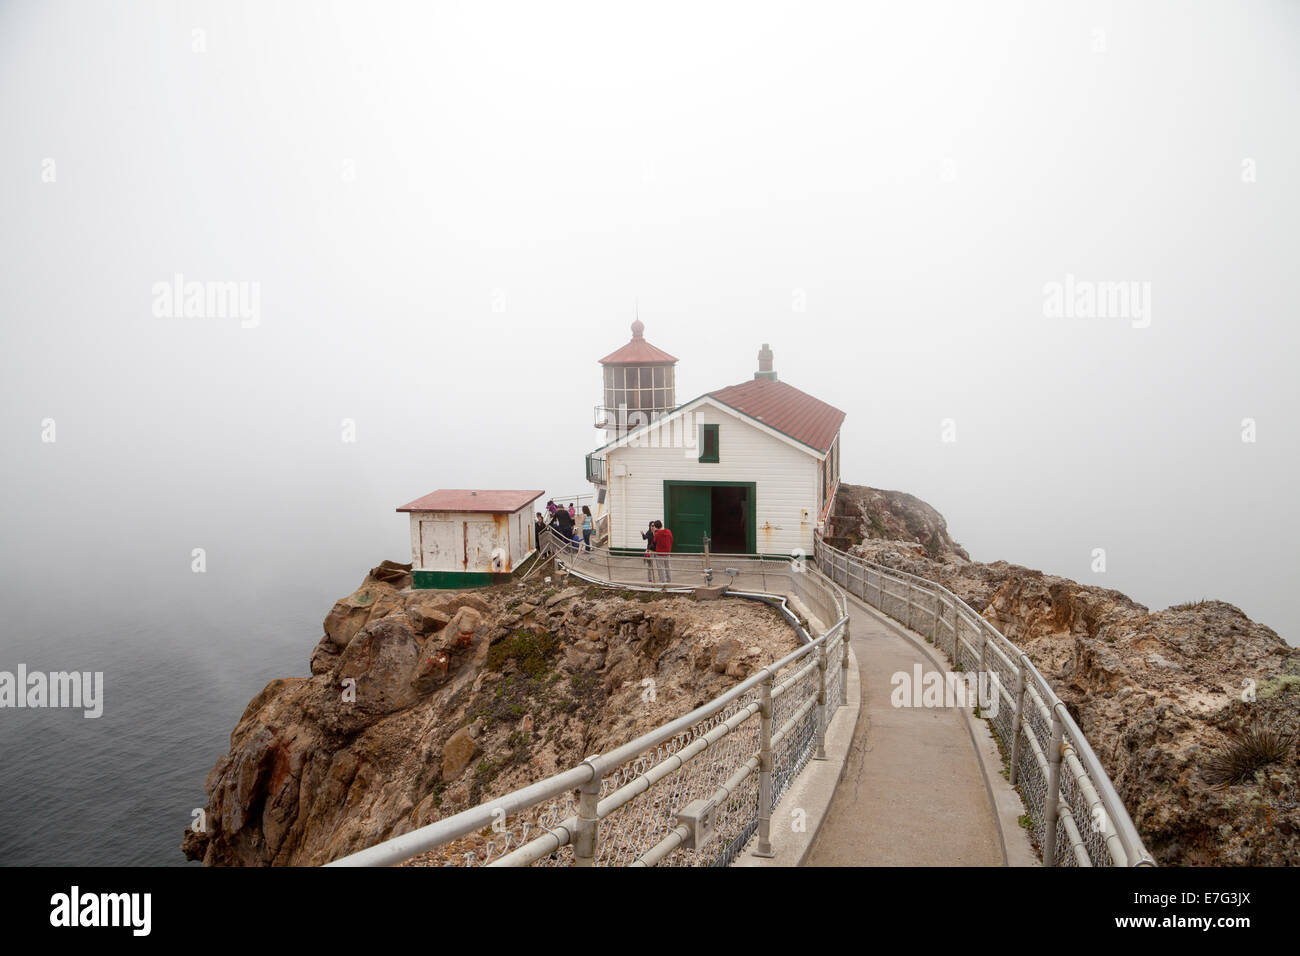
(531, 650)
(1277, 684)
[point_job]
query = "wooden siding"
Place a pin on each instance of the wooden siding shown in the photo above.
(463, 541)
(785, 477)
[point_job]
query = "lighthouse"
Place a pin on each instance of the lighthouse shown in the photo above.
(639, 385)
(748, 469)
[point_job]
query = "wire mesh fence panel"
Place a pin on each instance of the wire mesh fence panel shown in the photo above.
(834, 674)
(1093, 822)
(640, 824)
(972, 645)
(505, 834)
(1002, 716)
(795, 712)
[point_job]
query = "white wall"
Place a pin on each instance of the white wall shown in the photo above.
(444, 539)
(786, 482)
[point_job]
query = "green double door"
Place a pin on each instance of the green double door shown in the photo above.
(724, 511)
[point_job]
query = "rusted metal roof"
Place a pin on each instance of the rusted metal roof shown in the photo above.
(795, 414)
(466, 499)
(638, 351)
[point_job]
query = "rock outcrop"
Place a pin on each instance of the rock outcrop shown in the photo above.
(1155, 692)
(423, 703)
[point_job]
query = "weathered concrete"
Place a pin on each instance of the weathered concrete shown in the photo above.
(915, 791)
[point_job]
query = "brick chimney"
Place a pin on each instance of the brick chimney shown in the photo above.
(765, 364)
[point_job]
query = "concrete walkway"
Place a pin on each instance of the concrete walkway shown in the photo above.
(913, 792)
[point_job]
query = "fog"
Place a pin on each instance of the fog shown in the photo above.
(451, 211)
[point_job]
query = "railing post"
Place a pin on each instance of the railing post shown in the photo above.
(956, 637)
(934, 621)
(585, 835)
(821, 703)
(1016, 719)
(764, 848)
(910, 592)
(1053, 788)
(979, 675)
(844, 666)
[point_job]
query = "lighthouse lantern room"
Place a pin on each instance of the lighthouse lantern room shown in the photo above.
(639, 384)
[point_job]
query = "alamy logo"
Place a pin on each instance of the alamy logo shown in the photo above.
(950, 689)
(1085, 299)
(179, 299)
(56, 689)
(102, 909)
(642, 429)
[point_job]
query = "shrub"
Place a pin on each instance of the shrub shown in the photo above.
(1245, 752)
(531, 650)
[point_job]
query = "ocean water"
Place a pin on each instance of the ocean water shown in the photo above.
(120, 789)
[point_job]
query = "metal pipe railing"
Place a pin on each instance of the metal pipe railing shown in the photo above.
(673, 756)
(1047, 748)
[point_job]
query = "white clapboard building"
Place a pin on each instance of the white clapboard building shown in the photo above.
(753, 467)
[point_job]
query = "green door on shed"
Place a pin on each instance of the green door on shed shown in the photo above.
(687, 515)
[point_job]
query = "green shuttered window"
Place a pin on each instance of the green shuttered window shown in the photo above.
(708, 443)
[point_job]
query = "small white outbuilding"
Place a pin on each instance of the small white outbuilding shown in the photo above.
(462, 538)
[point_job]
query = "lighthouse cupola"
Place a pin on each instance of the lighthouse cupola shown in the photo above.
(639, 384)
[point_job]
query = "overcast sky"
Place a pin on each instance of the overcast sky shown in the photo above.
(449, 210)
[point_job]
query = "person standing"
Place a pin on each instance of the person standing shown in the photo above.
(648, 536)
(539, 528)
(587, 527)
(563, 525)
(663, 548)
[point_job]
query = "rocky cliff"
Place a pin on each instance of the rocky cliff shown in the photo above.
(1166, 698)
(423, 703)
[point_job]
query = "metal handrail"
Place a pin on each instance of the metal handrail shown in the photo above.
(632, 776)
(597, 469)
(1052, 737)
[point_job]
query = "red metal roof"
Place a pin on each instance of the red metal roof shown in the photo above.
(777, 405)
(638, 351)
(466, 499)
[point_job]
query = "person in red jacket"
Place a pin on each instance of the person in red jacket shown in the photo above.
(663, 548)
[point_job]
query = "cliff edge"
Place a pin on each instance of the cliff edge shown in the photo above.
(1183, 706)
(424, 703)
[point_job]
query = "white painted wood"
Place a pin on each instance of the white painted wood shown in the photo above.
(440, 544)
(787, 477)
(444, 540)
